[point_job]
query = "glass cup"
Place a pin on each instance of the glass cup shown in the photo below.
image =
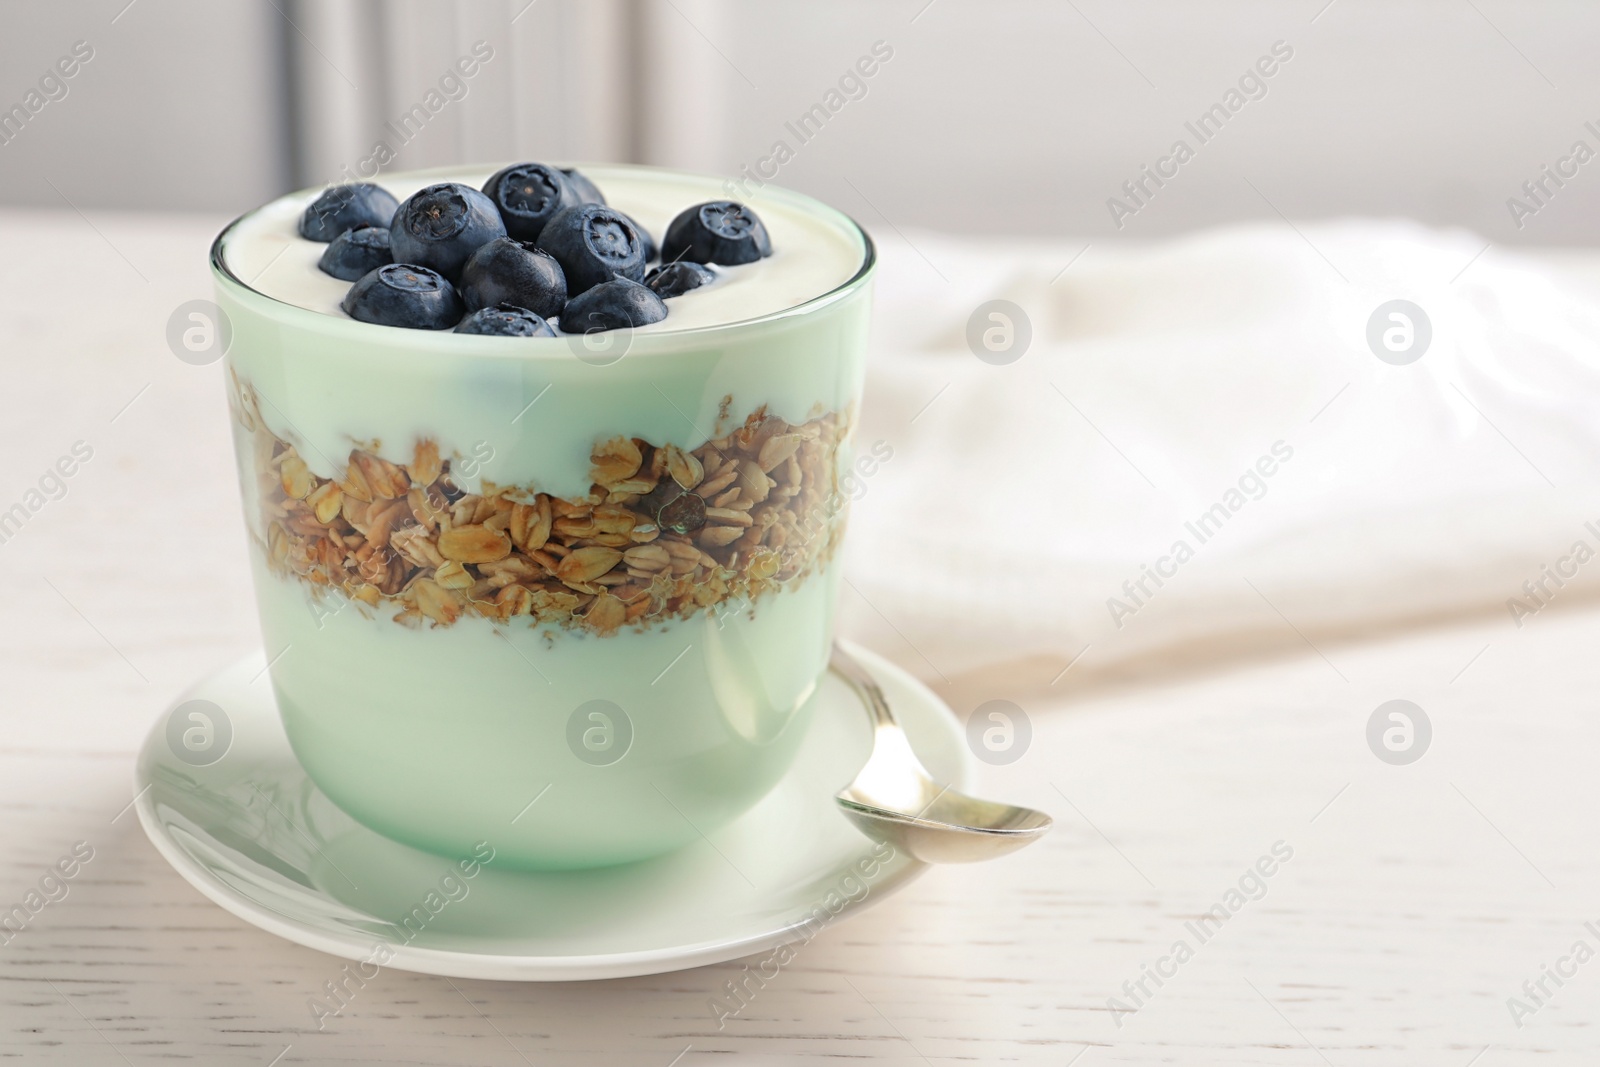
(573, 596)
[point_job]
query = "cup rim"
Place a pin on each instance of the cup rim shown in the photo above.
(534, 347)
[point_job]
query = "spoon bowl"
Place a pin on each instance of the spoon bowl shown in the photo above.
(893, 797)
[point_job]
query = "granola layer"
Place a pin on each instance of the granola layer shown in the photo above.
(663, 534)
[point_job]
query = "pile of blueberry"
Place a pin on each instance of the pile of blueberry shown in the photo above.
(537, 243)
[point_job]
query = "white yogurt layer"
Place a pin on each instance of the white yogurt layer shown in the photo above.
(812, 253)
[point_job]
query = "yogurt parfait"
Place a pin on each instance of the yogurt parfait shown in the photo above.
(541, 467)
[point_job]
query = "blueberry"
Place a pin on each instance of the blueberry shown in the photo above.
(527, 195)
(356, 252)
(505, 320)
(588, 192)
(440, 226)
(675, 279)
(513, 272)
(593, 242)
(719, 231)
(611, 305)
(403, 294)
(651, 249)
(347, 207)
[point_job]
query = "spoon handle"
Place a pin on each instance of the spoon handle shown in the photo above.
(845, 665)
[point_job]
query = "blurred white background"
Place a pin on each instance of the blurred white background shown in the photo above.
(1017, 117)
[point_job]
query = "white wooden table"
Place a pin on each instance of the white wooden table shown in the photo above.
(1417, 901)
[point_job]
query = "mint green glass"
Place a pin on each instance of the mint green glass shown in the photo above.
(443, 736)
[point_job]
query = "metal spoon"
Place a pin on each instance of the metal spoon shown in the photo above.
(894, 799)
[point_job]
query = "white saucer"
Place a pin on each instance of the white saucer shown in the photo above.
(253, 833)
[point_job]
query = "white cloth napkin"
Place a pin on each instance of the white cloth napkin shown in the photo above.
(1019, 498)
